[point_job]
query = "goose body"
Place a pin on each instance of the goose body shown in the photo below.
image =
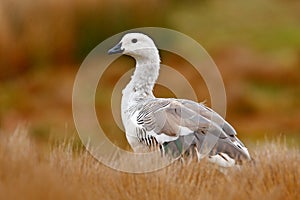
(175, 126)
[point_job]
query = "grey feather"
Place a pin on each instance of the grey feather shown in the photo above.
(176, 126)
(208, 130)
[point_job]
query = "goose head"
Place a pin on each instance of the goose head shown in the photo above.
(136, 45)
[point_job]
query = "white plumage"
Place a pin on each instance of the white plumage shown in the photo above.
(175, 126)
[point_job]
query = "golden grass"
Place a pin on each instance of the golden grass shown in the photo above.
(27, 171)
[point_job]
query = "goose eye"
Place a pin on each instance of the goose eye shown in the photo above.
(134, 40)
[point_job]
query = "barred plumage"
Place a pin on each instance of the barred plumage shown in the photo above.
(174, 126)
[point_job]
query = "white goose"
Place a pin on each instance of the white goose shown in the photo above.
(176, 126)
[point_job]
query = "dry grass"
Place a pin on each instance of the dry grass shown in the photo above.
(254, 45)
(27, 171)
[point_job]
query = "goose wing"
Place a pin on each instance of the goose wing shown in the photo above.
(179, 125)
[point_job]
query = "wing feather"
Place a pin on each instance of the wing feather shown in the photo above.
(171, 121)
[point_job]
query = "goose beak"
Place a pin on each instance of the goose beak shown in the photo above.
(116, 49)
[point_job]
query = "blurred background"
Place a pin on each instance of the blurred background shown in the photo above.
(255, 44)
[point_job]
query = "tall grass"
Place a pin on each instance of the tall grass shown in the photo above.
(28, 171)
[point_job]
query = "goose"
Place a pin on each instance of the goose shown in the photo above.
(176, 127)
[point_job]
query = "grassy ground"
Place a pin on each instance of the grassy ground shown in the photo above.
(29, 171)
(256, 46)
